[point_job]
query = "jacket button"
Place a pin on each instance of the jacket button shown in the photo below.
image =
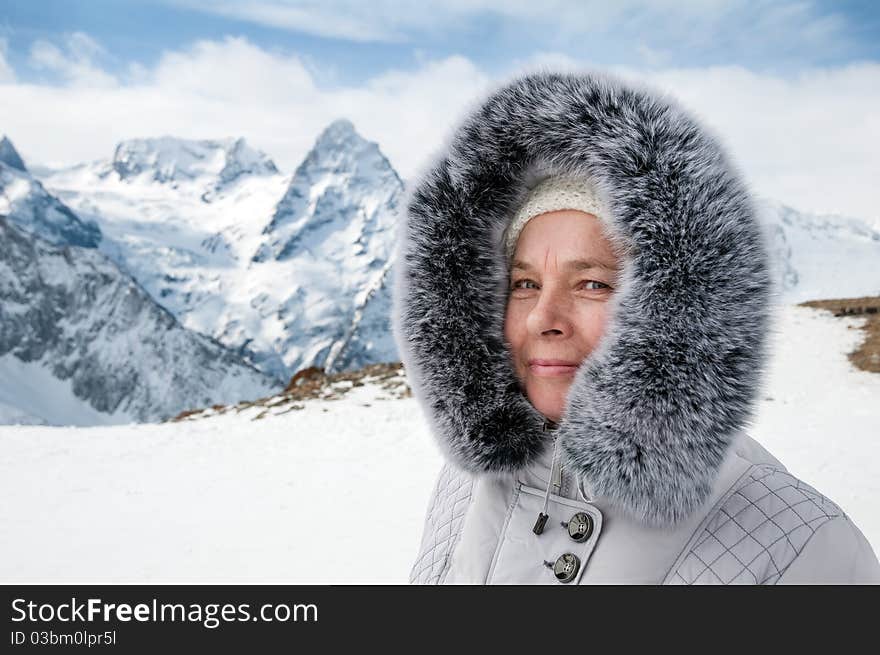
(566, 567)
(580, 527)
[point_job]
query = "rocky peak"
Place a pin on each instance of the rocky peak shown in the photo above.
(9, 155)
(170, 159)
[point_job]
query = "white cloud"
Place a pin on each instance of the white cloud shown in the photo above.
(652, 57)
(685, 26)
(233, 88)
(809, 141)
(352, 21)
(6, 72)
(396, 20)
(76, 66)
(234, 71)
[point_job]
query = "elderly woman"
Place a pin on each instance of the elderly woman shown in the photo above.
(581, 303)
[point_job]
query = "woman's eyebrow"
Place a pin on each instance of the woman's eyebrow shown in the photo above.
(571, 265)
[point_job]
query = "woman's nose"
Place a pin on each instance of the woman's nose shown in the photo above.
(550, 314)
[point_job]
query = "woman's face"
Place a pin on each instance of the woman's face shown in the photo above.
(563, 274)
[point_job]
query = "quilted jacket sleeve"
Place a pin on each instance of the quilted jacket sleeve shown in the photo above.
(446, 509)
(838, 553)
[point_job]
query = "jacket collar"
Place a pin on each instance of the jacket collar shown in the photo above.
(653, 409)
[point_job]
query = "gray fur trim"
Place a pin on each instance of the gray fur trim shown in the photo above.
(652, 410)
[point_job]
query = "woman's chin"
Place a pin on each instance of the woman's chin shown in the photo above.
(550, 404)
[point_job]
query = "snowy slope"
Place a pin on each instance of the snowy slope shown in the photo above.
(94, 341)
(822, 256)
(279, 268)
(368, 339)
(336, 492)
(31, 394)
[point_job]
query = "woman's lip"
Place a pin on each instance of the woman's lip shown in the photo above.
(552, 369)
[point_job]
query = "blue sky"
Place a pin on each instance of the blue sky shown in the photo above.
(791, 86)
(349, 41)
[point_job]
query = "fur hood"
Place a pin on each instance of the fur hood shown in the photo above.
(651, 412)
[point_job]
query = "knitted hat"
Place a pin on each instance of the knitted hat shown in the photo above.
(552, 194)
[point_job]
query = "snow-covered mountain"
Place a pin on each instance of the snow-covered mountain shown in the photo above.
(332, 236)
(184, 227)
(82, 343)
(289, 271)
(168, 160)
(292, 271)
(822, 256)
(25, 202)
(9, 155)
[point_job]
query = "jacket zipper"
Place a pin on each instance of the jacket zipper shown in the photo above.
(557, 478)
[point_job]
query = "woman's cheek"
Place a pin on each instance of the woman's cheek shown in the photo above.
(514, 333)
(509, 332)
(592, 322)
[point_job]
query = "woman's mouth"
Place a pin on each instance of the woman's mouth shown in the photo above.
(552, 367)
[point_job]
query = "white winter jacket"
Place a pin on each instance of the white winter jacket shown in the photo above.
(760, 525)
(649, 477)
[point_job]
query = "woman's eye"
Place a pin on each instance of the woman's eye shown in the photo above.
(523, 284)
